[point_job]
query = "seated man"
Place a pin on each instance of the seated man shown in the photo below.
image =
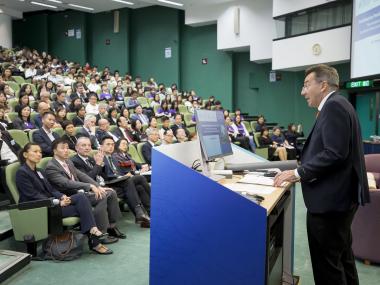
(168, 137)
(104, 130)
(60, 101)
(66, 178)
(102, 112)
(92, 166)
(178, 124)
(88, 131)
(133, 188)
(42, 108)
(45, 136)
(181, 136)
(139, 115)
(146, 150)
(124, 130)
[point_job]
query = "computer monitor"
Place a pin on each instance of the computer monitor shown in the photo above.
(213, 136)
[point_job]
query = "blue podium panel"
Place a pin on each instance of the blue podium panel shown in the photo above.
(202, 232)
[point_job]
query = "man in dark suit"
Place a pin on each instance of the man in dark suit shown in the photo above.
(123, 130)
(178, 124)
(60, 101)
(66, 178)
(103, 130)
(333, 178)
(42, 108)
(146, 150)
(134, 189)
(88, 131)
(45, 135)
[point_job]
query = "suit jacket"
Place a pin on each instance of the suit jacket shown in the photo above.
(124, 163)
(31, 188)
(84, 133)
(332, 171)
(117, 132)
(38, 121)
(18, 124)
(108, 173)
(83, 167)
(60, 180)
(175, 128)
(136, 117)
(147, 152)
(100, 134)
(78, 122)
(40, 137)
(8, 139)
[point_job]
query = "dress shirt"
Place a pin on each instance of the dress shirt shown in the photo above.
(91, 109)
(7, 154)
(49, 133)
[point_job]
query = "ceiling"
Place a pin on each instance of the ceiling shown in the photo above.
(98, 5)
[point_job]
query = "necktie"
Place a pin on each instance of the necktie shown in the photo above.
(67, 169)
(89, 163)
(112, 166)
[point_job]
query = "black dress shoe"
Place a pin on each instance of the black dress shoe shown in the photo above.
(115, 232)
(109, 240)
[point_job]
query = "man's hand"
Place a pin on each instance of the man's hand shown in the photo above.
(144, 168)
(65, 201)
(107, 189)
(99, 192)
(99, 157)
(128, 174)
(285, 176)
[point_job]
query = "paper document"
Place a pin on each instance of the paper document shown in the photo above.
(257, 179)
(250, 189)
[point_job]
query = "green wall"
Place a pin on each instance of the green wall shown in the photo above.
(31, 32)
(213, 78)
(152, 30)
(60, 44)
(99, 29)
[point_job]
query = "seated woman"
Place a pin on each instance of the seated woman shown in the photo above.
(105, 93)
(74, 103)
(174, 108)
(92, 107)
(278, 138)
(291, 135)
(60, 117)
(69, 135)
(137, 131)
(23, 122)
(125, 113)
(112, 116)
(23, 101)
(156, 101)
(260, 123)
(234, 135)
(78, 121)
(163, 110)
(32, 185)
(152, 124)
(244, 132)
(124, 161)
(274, 149)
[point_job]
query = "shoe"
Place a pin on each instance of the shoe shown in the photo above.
(101, 249)
(141, 216)
(145, 224)
(109, 239)
(115, 232)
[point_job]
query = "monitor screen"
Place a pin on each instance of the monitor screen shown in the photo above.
(213, 134)
(365, 40)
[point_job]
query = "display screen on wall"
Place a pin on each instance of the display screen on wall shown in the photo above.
(365, 40)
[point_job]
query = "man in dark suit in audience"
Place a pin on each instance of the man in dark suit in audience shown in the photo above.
(42, 108)
(139, 115)
(146, 150)
(80, 93)
(333, 178)
(66, 178)
(178, 124)
(92, 166)
(45, 135)
(103, 130)
(123, 130)
(60, 101)
(88, 131)
(134, 188)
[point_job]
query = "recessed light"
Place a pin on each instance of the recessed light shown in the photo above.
(171, 2)
(55, 1)
(124, 2)
(81, 7)
(42, 4)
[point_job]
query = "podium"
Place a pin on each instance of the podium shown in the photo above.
(203, 232)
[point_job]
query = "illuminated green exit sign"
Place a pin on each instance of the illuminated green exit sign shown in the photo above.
(359, 84)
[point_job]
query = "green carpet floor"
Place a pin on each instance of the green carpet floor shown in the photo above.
(129, 265)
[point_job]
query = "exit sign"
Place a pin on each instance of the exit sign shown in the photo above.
(359, 84)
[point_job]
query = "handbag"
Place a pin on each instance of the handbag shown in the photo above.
(63, 247)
